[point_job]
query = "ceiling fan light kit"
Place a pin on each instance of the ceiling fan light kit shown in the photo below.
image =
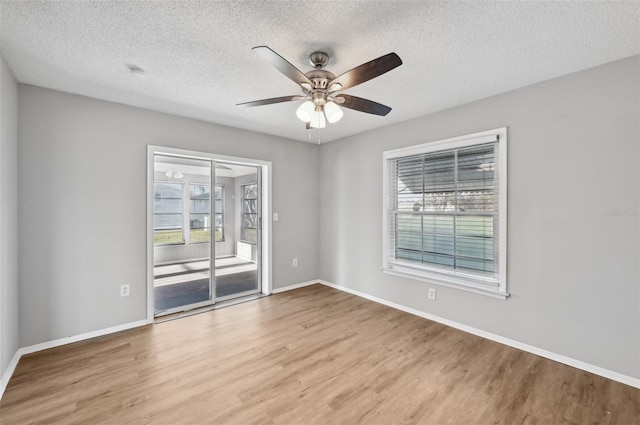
(333, 112)
(174, 174)
(317, 119)
(305, 111)
(319, 87)
(315, 115)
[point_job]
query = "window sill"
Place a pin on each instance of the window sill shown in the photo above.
(449, 282)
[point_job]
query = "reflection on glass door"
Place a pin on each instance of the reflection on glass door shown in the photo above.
(182, 232)
(237, 258)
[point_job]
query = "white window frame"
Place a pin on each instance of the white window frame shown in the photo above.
(223, 214)
(184, 240)
(242, 226)
(455, 279)
(212, 228)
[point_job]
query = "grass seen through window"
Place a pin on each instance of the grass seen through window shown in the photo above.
(174, 237)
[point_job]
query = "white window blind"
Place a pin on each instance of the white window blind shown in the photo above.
(443, 211)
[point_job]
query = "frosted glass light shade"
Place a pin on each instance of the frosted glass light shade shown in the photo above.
(174, 174)
(333, 111)
(317, 119)
(305, 111)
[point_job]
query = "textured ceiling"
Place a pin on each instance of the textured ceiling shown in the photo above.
(198, 59)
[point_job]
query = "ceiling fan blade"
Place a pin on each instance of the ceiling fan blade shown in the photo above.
(367, 71)
(270, 101)
(282, 65)
(363, 105)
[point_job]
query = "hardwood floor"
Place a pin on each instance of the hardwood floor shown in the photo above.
(310, 356)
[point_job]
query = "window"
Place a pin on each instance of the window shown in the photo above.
(200, 217)
(249, 213)
(167, 214)
(445, 212)
(219, 213)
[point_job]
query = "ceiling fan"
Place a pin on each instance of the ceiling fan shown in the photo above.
(320, 87)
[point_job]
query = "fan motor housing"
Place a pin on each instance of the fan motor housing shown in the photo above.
(320, 78)
(319, 98)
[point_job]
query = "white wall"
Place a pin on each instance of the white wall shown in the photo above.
(573, 268)
(82, 176)
(9, 337)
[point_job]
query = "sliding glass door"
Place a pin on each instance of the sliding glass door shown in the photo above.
(206, 232)
(182, 234)
(237, 258)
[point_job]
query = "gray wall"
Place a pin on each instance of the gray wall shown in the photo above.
(9, 337)
(573, 267)
(82, 230)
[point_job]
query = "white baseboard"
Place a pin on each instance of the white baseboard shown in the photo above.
(628, 380)
(295, 286)
(9, 372)
(58, 342)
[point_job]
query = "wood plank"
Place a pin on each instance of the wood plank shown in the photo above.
(310, 356)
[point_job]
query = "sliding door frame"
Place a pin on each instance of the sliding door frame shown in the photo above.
(264, 170)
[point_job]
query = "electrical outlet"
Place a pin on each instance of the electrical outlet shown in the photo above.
(295, 262)
(432, 294)
(124, 290)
